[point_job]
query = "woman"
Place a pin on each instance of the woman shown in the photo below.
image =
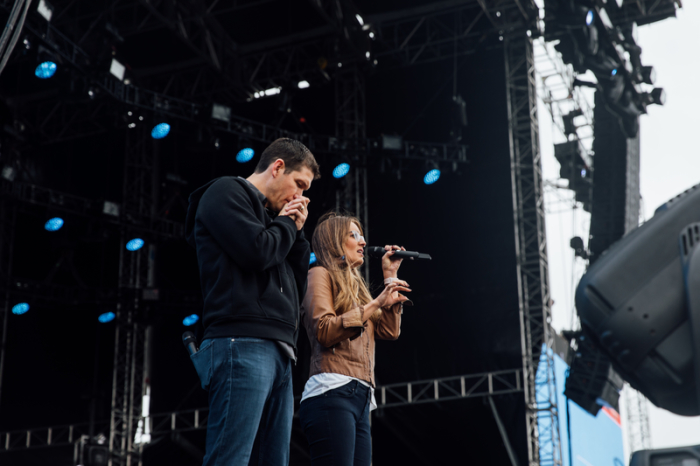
(342, 321)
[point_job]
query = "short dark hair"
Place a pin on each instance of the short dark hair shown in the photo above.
(295, 155)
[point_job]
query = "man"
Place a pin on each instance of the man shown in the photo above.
(253, 262)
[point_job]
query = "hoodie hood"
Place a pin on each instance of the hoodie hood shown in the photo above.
(194, 199)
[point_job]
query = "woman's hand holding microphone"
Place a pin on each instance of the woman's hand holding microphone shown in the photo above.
(391, 294)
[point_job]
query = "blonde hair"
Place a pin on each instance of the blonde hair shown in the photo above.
(349, 287)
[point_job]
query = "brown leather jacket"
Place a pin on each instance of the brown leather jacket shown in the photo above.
(343, 344)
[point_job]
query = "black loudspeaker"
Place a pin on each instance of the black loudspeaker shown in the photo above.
(682, 456)
(592, 382)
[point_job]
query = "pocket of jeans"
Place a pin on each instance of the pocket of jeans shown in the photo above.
(202, 363)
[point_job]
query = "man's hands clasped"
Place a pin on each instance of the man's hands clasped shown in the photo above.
(297, 209)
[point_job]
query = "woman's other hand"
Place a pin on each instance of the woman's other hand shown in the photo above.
(391, 296)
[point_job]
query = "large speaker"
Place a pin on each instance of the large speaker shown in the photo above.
(592, 382)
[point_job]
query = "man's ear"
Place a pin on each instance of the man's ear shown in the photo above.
(278, 167)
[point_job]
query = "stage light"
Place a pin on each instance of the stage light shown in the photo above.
(221, 112)
(45, 10)
(613, 72)
(658, 96)
(371, 35)
(273, 91)
(245, 155)
(53, 224)
(432, 176)
(190, 320)
(303, 84)
(589, 17)
(360, 20)
(135, 244)
(20, 308)
(341, 170)
(160, 131)
(312, 259)
(117, 69)
(45, 70)
(367, 54)
(106, 317)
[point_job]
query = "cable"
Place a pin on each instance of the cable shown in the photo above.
(16, 8)
(15, 37)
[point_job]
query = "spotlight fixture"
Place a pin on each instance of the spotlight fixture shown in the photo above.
(613, 72)
(590, 16)
(190, 320)
(160, 130)
(245, 155)
(432, 176)
(303, 84)
(341, 170)
(267, 92)
(106, 317)
(312, 259)
(53, 224)
(135, 244)
(45, 69)
(221, 112)
(360, 20)
(45, 10)
(20, 308)
(117, 69)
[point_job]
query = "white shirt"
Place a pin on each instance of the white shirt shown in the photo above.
(325, 381)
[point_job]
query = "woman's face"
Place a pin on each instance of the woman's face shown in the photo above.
(354, 246)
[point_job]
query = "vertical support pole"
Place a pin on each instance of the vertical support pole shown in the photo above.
(542, 419)
(350, 129)
(135, 269)
(8, 215)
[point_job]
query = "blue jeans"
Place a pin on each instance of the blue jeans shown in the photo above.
(336, 424)
(250, 401)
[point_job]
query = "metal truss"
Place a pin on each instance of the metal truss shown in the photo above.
(638, 430)
(350, 126)
(31, 194)
(485, 384)
(8, 214)
(557, 91)
(135, 270)
(542, 419)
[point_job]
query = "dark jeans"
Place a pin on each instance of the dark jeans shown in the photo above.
(250, 401)
(336, 424)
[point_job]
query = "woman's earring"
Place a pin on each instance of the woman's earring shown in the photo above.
(342, 257)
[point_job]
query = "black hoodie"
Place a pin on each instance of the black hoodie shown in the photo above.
(252, 268)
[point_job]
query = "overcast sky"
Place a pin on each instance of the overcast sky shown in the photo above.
(670, 163)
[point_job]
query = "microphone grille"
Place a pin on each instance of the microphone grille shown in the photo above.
(187, 337)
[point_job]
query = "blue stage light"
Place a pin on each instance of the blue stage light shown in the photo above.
(160, 130)
(312, 259)
(341, 170)
(53, 224)
(190, 320)
(245, 155)
(432, 176)
(20, 308)
(106, 317)
(589, 17)
(45, 70)
(135, 244)
(613, 72)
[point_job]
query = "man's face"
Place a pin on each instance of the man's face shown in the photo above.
(283, 187)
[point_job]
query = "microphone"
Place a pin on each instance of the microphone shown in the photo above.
(377, 251)
(190, 342)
